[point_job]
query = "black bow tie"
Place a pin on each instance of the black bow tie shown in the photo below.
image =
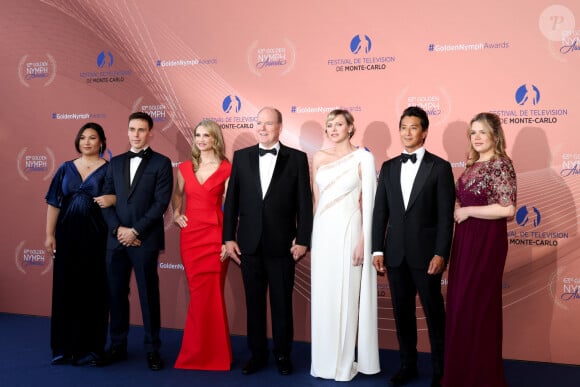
(263, 151)
(406, 157)
(143, 153)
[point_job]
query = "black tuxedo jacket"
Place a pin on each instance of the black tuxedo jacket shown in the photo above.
(283, 214)
(140, 205)
(425, 228)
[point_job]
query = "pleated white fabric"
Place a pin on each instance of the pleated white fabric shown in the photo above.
(343, 296)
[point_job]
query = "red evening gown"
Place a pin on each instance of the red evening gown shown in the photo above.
(473, 330)
(206, 339)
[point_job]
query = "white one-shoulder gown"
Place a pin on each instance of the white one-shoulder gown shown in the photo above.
(343, 296)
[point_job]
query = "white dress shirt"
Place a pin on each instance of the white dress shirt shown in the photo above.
(267, 164)
(134, 165)
(408, 174)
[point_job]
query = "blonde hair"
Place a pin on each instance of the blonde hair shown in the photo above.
(347, 117)
(218, 142)
(492, 122)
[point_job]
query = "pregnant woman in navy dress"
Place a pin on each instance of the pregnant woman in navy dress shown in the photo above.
(75, 237)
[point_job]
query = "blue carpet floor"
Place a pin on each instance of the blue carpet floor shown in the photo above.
(25, 361)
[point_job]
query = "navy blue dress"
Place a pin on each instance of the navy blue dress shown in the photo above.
(79, 289)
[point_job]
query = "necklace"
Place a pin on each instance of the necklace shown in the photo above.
(90, 165)
(208, 162)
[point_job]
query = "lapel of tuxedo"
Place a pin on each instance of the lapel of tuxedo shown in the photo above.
(395, 182)
(126, 175)
(421, 178)
(281, 162)
(138, 175)
(254, 161)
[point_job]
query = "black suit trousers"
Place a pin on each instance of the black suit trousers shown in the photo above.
(274, 274)
(120, 262)
(405, 283)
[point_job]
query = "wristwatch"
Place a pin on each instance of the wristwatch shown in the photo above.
(114, 232)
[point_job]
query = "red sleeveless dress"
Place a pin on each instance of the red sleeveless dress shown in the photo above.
(206, 338)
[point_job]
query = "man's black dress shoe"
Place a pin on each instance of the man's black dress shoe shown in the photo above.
(284, 365)
(86, 359)
(61, 360)
(154, 361)
(253, 365)
(404, 375)
(114, 355)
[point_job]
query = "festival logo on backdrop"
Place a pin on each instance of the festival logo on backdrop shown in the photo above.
(430, 103)
(105, 59)
(37, 70)
(105, 70)
(31, 163)
(527, 94)
(529, 218)
(231, 105)
(570, 165)
(276, 59)
(158, 112)
(361, 59)
(530, 215)
(360, 44)
(32, 259)
(564, 288)
(434, 100)
(532, 110)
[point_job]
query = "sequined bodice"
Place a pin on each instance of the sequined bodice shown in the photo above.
(487, 182)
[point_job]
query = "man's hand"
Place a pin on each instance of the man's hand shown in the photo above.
(127, 237)
(437, 265)
(297, 251)
(233, 251)
(378, 263)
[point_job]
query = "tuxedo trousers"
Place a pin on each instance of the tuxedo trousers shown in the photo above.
(405, 283)
(120, 262)
(264, 274)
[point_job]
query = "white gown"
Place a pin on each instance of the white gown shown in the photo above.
(337, 285)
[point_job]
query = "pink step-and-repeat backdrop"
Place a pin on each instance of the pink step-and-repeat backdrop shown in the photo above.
(66, 62)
